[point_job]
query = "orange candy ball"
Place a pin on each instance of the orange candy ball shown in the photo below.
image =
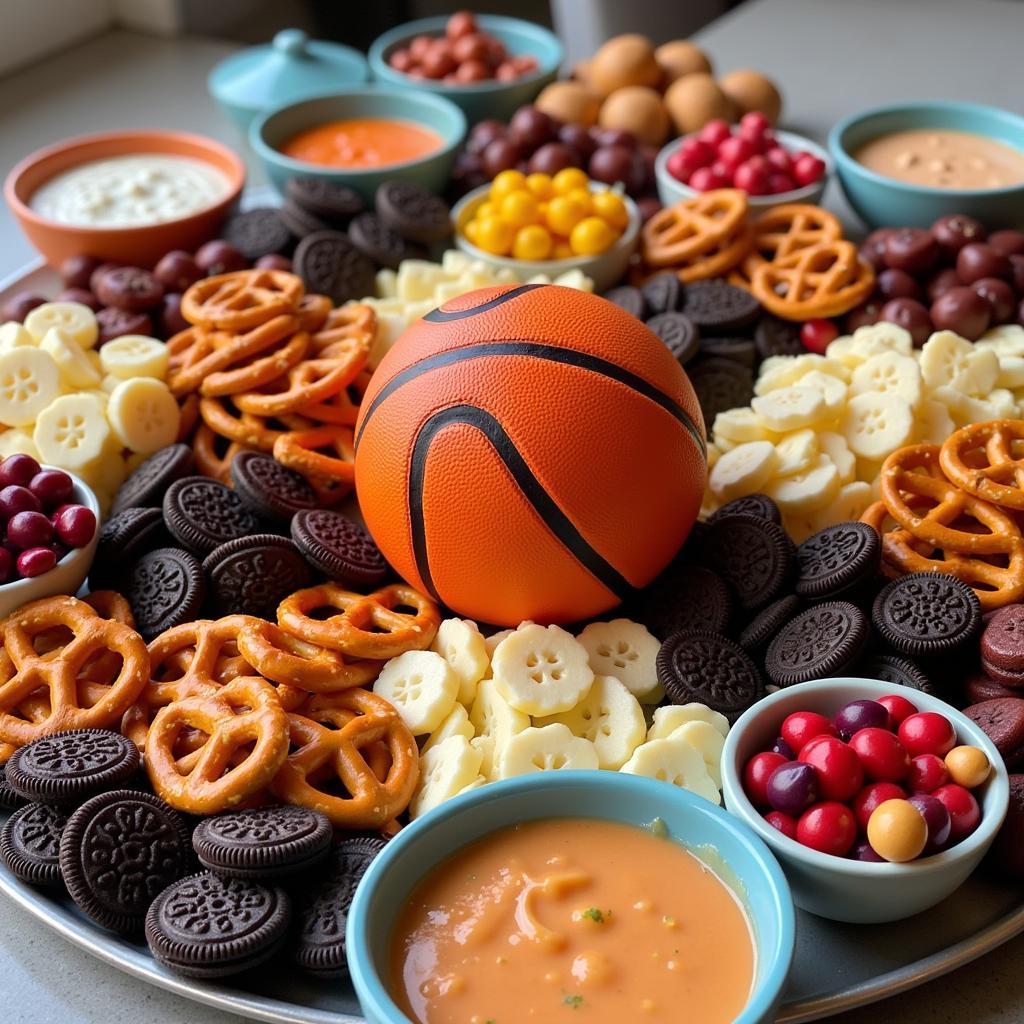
(897, 831)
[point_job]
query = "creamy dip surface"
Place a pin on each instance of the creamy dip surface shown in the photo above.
(130, 191)
(939, 158)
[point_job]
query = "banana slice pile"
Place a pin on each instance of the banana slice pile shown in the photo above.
(97, 414)
(539, 699)
(815, 436)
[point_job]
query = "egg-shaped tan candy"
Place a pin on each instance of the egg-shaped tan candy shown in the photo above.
(639, 109)
(693, 100)
(750, 90)
(570, 101)
(681, 57)
(581, 71)
(624, 60)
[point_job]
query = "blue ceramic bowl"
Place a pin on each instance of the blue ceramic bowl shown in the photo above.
(882, 201)
(611, 796)
(478, 100)
(276, 127)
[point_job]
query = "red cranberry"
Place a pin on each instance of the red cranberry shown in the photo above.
(75, 526)
(15, 499)
(784, 823)
(898, 707)
(714, 133)
(752, 176)
(756, 774)
(927, 773)
(52, 487)
(29, 530)
(927, 732)
(808, 169)
(800, 727)
(735, 151)
(817, 334)
(18, 469)
(36, 561)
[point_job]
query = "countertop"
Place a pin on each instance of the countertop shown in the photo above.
(830, 58)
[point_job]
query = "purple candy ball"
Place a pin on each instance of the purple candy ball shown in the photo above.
(863, 850)
(860, 714)
(793, 787)
(782, 748)
(936, 817)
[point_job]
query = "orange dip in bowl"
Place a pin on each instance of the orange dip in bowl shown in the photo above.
(361, 143)
(538, 920)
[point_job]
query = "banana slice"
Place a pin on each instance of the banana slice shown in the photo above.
(674, 716)
(496, 720)
(740, 426)
(1011, 371)
(949, 360)
(541, 671)
(485, 746)
(1000, 404)
(714, 454)
(491, 642)
(796, 452)
(708, 742)
(422, 687)
(806, 491)
(445, 771)
(676, 761)
(832, 390)
(107, 472)
(790, 408)
(853, 350)
(460, 643)
(743, 470)
(14, 335)
(29, 382)
(932, 422)
(135, 355)
(17, 442)
(610, 717)
(549, 748)
(785, 371)
(626, 650)
(875, 425)
(835, 447)
(75, 370)
(78, 322)
(71, 431)
(849, 504)
(456, 723)
(1004, 340)
(889, 373)
(144, 414)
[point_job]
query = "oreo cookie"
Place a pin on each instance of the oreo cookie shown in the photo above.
(379, 243)
(70, 766)
(253, 575)
(759, 632)
(926, 614)
(720, 307)
(837, 559)
(144, 488)
(685, 598)
(340, 548)
(323, 916)
(663, 293)
(300, 222)
(329, 263)
(630, 299)
(739, 350)
(257, 232)
(124, 537)
(758, 505)
(413, 211)
(271, 490)
(754, 556)
(776, 337)
(9, 799)
(202, 513)
(902, 671)
(30, 843)
(324, 198)
(117, 851)
(720, 384)
(678, 333)
(263, 842)
(1002, 721)
(166, 587)
(709, 669)
(205, 926)
(825, 640)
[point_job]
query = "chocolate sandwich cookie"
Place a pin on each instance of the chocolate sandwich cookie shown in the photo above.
(9, 800)
(685, 598)
(68, 767)
(739, 350)
(325, 199)
(720, 384)
(263, 842)
(678, 333)
(117, 851)
(891, 668)
(1002, 646)
(663, 293)
(978, 687)
(253, 575)
(836, 560)
(414, 212)
(271, 490)
(339, 548)
(323, 916)
(825, 640)
(202, 513)
(630, 299)
(166, 587)
(765, 625)
(709, 669)
(717, 307)
(144, 488)
(1002, 721)
(1008, 850)
(926, 614)
(380, 243)
(257, 232)
(754, 556)
(124, 537)
(776, 337)
(30, 843)
(300, 222)
(329, 263)
(205, 926)
(758, 505)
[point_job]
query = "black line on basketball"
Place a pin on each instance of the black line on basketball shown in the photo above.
(569, 357)
(555, 519)
(440, 316)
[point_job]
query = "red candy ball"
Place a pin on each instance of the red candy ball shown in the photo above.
(52, 487)
(801, 727)
(36, 561)
(881, 754)
(927, 732)
(816, 335)
(75, 525)
(18, 469)
(785, 823)
(873, 795)
(927, 773)
(964, 812)
(840, 774)
(756, 774)
(899, 708)
(29, 530)
(828, 827)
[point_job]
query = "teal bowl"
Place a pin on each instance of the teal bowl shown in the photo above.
(477, 100)
(700, 826)
(276, 127)
(882, 201)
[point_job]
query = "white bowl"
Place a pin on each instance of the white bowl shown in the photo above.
(69, 573)
(852, 890)
(672, 191)
(605, 270)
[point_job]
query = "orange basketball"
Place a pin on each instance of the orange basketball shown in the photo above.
(529, 452)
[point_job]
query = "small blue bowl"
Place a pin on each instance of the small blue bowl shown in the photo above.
(276, 127)
(630, 799)
(882, 201)
(478, 100)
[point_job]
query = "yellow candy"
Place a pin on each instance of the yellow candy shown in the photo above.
(495, 236)
(584, 198)
(506, 182)
(532, 243)
(591, 236)
(967, 766)
(610, 207)
(487, 209)
(564, 213)
(540, 185)
(568, 179)
(472, 231)
(520, 209)
(897, 831)
(562, 251)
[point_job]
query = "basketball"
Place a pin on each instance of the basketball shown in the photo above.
(529, 452)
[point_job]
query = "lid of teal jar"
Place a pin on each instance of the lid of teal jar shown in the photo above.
(290, 68)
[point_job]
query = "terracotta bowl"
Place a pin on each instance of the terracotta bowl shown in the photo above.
(138, 246)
